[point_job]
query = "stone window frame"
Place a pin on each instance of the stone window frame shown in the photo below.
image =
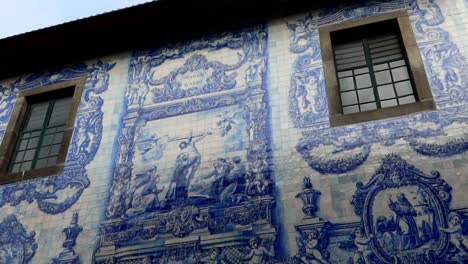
(16, 121)
(422, 90)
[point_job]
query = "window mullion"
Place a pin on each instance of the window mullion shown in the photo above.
(371, 72)
(43, 130)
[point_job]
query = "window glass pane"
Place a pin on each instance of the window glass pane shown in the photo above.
(47, 140)
(33, 142)
(389, 103)
(348, 47)
(362, 70)
(366, 95)
(26, 135)
(26, 166)
(367, 107)
(383, 77)
(403, 88)
(41, 163)
(386, 91)
(44, 152)
(50, 130)
(350, 109)
(351, 65)
(346, 84)
(351, 60)
(387, 58)
(345, 74)
(16, 167)
(385, 54)
(407, 100)
(58, 138)
(35, 134)
(37, 114)
(382, 40)
(386, 47)
(363, 81)
(52, 161)
(23, 144)
(60, 112)
(397, 63)
(381, 67)
(340, 56)
(29, 155)
(349, 98)
(19, 156)
(400, 74)
(54, 150)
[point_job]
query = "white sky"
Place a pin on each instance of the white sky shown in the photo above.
(19, 16)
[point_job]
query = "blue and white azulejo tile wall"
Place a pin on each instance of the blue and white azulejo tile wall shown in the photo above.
(219, 150)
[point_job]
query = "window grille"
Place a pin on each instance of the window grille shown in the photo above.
(373, 73)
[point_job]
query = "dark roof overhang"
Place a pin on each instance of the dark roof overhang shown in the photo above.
(146, 25)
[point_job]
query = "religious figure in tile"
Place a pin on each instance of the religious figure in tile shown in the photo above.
(144, 195)
(407, 229)
(187, 163)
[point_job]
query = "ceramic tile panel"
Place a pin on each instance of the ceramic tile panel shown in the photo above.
(219, 150)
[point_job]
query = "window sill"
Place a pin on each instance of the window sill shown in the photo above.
(349, 119)
(6, 178)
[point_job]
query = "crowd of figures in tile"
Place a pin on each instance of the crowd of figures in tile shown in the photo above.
(205, 192)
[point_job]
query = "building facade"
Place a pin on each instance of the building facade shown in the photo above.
(220, 150)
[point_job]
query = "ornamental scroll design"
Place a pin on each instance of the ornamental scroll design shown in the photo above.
(83, 145)
(199, 75)
(16, 244)
(181, 222)
(403, 214)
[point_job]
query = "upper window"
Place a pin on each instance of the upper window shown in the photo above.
(38, 134)
(373, 69)
(40, 138)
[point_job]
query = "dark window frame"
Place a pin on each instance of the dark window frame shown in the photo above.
(15, 124)
(425, 101)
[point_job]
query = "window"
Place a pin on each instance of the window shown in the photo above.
(37, 137)
(373, 69)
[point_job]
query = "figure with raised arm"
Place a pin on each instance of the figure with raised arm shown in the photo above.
(363, 249)
(310, 246)
(405, 214)
(187, 163)
(144, 193)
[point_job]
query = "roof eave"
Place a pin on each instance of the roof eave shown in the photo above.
(142, 26)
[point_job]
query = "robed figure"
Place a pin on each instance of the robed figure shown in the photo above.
(144, 194)
(187, 163)
(407, 229)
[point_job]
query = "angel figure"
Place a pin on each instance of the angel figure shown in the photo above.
(144, 193)
(85, 137)
(258, 253)
(147, 144)
(226, 122)
(302, 29)
(310, 252)
(456, 233)
(307, 90)
(363, 250)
